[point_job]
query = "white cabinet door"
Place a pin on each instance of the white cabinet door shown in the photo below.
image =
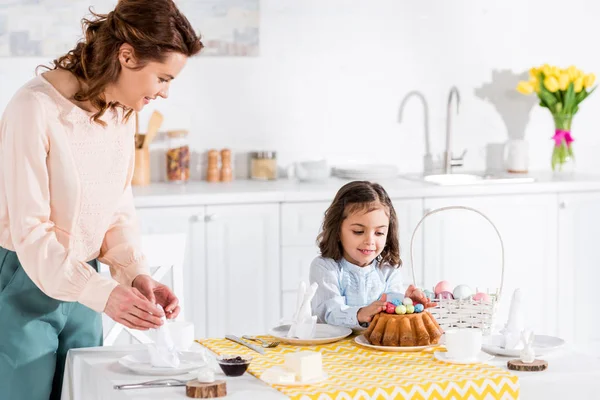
(242, 243)
(462, 247)
(185, 224)
(579, 233)
(301, 222)
(300, 225)
(187, 221)
(409, 212)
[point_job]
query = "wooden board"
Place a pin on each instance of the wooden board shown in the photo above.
(199, 390)
(518, 365)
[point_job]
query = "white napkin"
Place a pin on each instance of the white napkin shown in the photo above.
(162, 352)
(514, 326)
(304, 323)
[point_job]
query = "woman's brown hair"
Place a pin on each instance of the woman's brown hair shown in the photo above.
(153, 28)
(354, 197)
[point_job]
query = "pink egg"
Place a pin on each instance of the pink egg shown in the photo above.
(480, 296)
(445, 295)
(443, 286)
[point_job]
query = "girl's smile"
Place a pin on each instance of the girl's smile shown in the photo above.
(364, 234)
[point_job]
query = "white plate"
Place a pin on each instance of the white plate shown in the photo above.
(364, 342)
(140, 364)
(324, 334)
(481, 358)
(304, 383)
(542, 345)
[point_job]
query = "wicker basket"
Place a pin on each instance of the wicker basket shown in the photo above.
(467, 313)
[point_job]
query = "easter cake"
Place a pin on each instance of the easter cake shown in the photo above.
(405, 324)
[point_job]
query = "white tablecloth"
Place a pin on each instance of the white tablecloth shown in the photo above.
(90, 374)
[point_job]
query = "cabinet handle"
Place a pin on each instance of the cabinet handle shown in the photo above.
(563, 205)
(197, 218)
(210, 217)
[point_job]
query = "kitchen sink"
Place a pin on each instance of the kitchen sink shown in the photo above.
(472, 179)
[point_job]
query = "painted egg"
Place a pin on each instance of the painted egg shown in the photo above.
(396, 302)
(394, 297)
(480, 296)
(445, 295)
(390, 308)
(443, 286)
(407, 301)
(462, 292)
(419, 308)
(401, 309)
(410, 309)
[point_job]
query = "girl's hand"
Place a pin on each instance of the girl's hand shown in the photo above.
(417, 296)
(127, 306)
(366, 314)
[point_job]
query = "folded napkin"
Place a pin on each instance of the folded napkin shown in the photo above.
(162, 352)
(511, 333)
(304, 323)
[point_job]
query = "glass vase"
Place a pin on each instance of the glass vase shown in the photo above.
(563, 159)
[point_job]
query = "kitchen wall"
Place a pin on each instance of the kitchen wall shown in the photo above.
(332, 73)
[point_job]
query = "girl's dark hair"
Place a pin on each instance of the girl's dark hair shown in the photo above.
(353, 197)
(153, 28)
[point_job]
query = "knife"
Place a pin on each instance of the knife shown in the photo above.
(236, 339)
(153, 384)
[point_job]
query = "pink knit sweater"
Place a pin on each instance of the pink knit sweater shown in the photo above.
(65, 195)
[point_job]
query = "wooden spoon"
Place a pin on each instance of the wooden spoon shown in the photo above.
(156, 120)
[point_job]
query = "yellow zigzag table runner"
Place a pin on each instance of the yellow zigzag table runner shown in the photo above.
(356, 372)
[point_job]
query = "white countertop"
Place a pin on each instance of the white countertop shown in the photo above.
(285, 190)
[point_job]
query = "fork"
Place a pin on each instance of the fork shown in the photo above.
(265, 344)
(154, 383)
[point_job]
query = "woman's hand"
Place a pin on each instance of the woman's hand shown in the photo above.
(127, 306)
(366, 314)
(157, 293)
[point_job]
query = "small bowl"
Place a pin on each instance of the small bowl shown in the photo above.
(233, 364)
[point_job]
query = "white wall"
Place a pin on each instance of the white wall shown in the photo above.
(332, 73)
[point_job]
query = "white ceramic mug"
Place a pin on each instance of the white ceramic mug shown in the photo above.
(463, 343)
(517, 155)
(182, 333)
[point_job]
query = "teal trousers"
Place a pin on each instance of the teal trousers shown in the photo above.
(36, 332)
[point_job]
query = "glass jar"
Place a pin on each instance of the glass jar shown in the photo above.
(178, 157)
(263, 165)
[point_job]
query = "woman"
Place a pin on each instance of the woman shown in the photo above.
(66, 161)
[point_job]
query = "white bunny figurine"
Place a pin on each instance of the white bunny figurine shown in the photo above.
(527, 354)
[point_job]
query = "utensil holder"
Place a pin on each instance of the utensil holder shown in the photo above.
(141, 171)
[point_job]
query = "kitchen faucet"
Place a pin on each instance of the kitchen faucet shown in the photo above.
(449, 161)
(427, 159)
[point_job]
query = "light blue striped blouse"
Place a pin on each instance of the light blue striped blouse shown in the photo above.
(344, 288)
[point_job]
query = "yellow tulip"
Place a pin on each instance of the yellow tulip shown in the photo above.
(525, 87)
(533, 72)
(547, 70)
(578, 84)
(563, 81)
(551, 84)
(573, 72)
(554, 71)
(588, 81)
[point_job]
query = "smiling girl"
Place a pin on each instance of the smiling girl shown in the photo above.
(360, 256)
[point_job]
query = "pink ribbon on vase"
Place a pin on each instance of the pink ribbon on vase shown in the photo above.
(560, 135)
